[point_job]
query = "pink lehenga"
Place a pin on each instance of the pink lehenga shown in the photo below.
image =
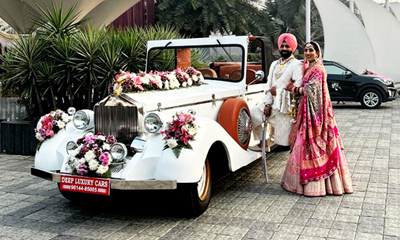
(316, 165)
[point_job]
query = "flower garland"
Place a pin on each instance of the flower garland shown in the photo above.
(132, 82)
(91, 157)
(179, 132)
(49, 125)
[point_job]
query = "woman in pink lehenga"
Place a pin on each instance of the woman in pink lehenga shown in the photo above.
(316, 165)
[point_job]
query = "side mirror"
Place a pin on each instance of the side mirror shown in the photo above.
(259, 76)
(348, 73)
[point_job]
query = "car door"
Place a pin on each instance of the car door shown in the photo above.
(340, 82)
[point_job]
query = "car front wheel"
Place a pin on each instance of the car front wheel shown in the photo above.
(195, 197)
(371, 98)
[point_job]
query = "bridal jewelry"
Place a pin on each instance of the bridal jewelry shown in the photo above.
(283, 62)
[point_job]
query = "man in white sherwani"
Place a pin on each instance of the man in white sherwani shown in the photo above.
(277, 100)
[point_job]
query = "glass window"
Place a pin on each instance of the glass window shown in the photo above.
(215, 62)
(332, 69)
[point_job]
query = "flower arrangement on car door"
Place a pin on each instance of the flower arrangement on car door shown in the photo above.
(49, 125)
(180, 132)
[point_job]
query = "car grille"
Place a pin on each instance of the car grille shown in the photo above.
(120, 121)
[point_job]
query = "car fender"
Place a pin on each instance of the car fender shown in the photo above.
(52, 152)
(374, 86)
(161, 164)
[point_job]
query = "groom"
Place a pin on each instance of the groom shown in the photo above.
(277, 100)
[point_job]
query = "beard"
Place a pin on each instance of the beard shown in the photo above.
(285, 54)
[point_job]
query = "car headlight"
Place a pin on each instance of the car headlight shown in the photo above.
(384, 81)
(81, 119)
(71, 146)
(152, 122)
(118, 151)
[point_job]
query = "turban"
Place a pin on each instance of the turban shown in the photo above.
(290, 39)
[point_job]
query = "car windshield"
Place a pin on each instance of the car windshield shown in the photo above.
(217, 62)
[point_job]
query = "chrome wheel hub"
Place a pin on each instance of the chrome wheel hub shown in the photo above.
(244, 126)
(371, 99)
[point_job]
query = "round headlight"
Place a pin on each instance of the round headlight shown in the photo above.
(152, 123)
(71, 146)
(71, 111)
(81, 120)
(118, 151)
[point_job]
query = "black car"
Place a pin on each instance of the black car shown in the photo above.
(348, 85)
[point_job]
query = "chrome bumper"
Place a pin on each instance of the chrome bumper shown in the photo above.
(114, 183)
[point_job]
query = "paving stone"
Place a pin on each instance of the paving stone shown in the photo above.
(367, 236)
(242, 207)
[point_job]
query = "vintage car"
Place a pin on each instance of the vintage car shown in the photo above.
(232, 85)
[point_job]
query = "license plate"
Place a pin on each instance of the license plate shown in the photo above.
(99, 186)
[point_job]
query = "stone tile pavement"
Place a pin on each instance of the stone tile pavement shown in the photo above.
(242, 207)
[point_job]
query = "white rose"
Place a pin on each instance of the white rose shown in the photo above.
(39, 137)
(172, 143)
(106, 146)
(76, 164)
(65, 117)
(101, 137)
(201, 79)
(93, 165)
(102, 169)
(39, 124)
(81, 161)
(145, 80)
(192, 131)
(195, 78)
(89, 155)
(166, 85)
(60, 124)
(69, 169)
(190, 82)
(184, 84)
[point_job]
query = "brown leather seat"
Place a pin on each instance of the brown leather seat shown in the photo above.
(226, 71)
(208, 72)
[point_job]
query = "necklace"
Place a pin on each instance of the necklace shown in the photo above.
(282, 62)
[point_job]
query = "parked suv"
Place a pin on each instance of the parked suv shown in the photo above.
(346, 84)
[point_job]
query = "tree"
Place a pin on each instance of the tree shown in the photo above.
(199, 18)
(289, 16)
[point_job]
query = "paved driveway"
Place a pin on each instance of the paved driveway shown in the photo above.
(243, 207)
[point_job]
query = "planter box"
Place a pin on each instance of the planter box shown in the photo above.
(18, 137)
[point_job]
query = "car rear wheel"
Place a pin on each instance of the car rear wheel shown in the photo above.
(195, 197)
(371, 98)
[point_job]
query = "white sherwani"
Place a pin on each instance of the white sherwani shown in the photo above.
(280, 120)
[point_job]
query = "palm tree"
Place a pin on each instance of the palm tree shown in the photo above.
(198, 18)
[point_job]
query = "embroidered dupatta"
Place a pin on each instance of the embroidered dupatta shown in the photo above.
(321, 142)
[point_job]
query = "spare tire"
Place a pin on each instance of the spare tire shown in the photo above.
(234, 117)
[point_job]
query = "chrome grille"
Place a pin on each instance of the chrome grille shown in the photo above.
(120, 121)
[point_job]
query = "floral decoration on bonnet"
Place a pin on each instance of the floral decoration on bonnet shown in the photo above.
(49, 125)
(92, 157)
(180, 131)
(138, 82)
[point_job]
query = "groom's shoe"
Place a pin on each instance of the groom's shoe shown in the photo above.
(255, 148)
(258, 148)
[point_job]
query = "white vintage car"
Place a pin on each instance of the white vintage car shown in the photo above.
(233, 83)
